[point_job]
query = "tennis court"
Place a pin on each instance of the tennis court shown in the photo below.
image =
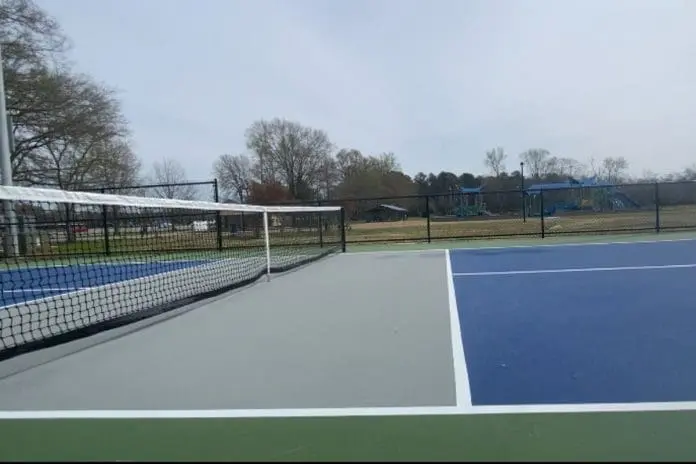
(28, 283)
(578, 325)
(579, 351)
(31, 283)
(288, 349)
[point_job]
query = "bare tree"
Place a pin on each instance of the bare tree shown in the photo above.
(495, 161)
(383, 163)
(118, 167)
(30, 37)
(329, 178)
(566, 167)
(33, 45)
(288, 152)
(596, 169)
(90, 116)
(348, 161)
(649, 176)
(69, 157)
(62, 121)
(614, 168)
(536, 161)
(378, 175)
(689, 173)
(234, 175)
(171, 179)
(59, 118)
(609, 169)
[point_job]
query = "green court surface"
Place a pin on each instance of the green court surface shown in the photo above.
(640, 436)
(595, 436)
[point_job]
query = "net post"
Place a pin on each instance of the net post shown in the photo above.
(267, 240)
(218, 215)
(427, 215)
(657, 207)
(343, 229)
(105, 225)
(321, 226)
(541, 213)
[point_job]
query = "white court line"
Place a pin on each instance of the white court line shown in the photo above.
(62, 292)
(347, 412)
(579, 244)
(392, 252)
(505, 247)
(461, 375)
(39, 290)
(581, 269)
(114, 263)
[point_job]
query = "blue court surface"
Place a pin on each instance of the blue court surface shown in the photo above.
(26, 284)
(578, 324)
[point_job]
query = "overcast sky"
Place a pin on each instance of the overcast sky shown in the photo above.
(436, 82)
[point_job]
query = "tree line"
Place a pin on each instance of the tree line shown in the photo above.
(286, 161)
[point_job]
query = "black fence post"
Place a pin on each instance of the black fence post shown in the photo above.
(321, 226)
(541, 212)
(218, 215)
(343, 229)
(657, 207)
(427, 215)
(105, 225)
(522, 198)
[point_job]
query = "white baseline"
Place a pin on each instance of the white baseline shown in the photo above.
(347, 412)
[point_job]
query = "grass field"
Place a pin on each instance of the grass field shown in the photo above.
(184, 240)
(581, 223)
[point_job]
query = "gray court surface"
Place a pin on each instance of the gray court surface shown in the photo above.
(352, 330)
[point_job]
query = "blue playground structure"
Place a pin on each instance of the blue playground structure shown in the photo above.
(587, 194)
(469, 202)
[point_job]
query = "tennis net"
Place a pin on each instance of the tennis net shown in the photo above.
(76, 263)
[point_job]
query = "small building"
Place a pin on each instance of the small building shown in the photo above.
(382, 212)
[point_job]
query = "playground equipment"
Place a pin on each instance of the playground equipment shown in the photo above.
(471, 203)
(587, 194)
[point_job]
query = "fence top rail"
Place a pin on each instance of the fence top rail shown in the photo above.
(147, 186)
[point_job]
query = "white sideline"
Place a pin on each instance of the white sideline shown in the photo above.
(580, 269)
(461, 375)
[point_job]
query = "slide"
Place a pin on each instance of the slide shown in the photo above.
(625, 200)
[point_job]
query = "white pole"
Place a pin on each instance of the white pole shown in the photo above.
(268, 245)
(6, 168)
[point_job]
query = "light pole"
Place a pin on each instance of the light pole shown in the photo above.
(12, 244)
(524, 208)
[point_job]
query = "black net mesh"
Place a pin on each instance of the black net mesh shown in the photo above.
(77, 266)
